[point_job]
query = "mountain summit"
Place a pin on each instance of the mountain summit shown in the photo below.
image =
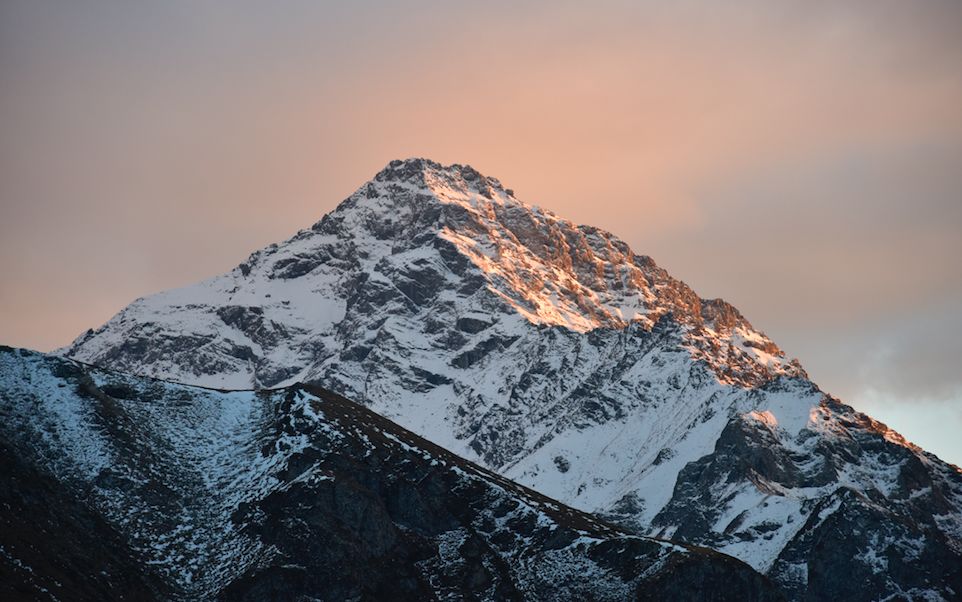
(554, 355)
(447, 244)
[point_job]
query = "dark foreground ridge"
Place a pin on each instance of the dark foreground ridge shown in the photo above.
(117, 487)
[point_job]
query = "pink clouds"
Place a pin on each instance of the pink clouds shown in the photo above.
(146, 147)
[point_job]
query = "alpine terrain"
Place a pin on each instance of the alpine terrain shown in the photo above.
(119, 487)
(554, 355)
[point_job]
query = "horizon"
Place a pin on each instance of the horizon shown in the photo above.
(804, 164)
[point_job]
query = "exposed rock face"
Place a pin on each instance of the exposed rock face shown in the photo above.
(118, 487)
(554, 355)
(852, 510)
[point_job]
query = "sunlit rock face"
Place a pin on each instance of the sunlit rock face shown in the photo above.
(124, 488)
(555, 355)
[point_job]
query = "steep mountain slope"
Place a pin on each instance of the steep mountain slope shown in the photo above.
(118, 487)
(554, 355)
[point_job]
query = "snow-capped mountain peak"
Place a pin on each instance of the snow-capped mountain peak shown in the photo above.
(546, 268)
(555, 355)
(439, 235)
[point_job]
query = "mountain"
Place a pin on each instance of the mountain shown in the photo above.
(554, 355)
(118, 487)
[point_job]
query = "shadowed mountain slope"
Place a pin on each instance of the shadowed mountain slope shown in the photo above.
(118, 487)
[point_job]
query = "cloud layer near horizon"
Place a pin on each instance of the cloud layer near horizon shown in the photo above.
(803, 161)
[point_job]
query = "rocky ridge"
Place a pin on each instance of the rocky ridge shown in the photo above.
(132, 488)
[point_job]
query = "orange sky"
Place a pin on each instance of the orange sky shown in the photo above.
(802, 160)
